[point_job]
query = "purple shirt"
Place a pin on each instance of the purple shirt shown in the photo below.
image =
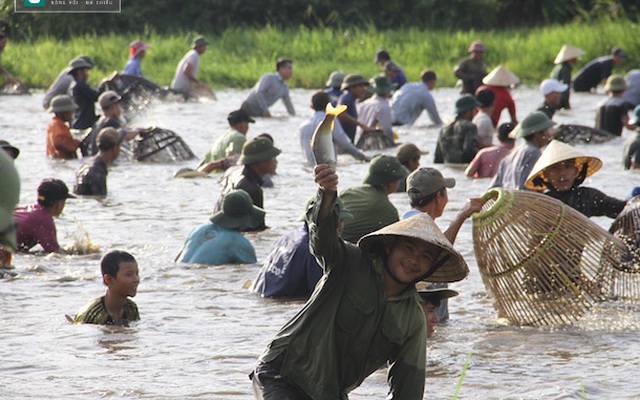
(35, 226)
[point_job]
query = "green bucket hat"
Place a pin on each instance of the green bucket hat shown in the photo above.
(466, 103)
(535, 122)
(381, 85)
(200, 41)
(9, 197)
(615, 83)
(353, 80)
(238, 211)
(256, 150)
(62, 103)
(384, 169)
(78, 63)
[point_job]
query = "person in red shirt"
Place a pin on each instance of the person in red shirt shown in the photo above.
(499, 81)
(60, 143)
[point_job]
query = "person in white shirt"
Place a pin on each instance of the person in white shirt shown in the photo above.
(187, 71)
(482, 119)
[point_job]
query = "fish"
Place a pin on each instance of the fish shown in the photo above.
(322, 139)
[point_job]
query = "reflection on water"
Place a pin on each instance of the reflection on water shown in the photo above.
(201, 331)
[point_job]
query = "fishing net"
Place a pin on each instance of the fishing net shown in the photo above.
(574, 134)
(160, 145)
(138, 94)
(543, 262)
(374, 140)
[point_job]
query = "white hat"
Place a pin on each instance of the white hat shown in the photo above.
(568, 52)
(555, 153)
(501, 76)
(552, 85)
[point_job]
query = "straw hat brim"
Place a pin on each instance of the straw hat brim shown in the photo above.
(422, 227)
(501, 76)
(557, 152)
(568, 52)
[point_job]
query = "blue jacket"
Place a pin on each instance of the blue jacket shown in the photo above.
(215, 245)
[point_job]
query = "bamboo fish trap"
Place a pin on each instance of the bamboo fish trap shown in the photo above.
(543, 262)
(626, 227)
(138, 94)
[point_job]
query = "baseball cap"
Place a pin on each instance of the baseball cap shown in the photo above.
(51, 190)
(426, 181)
(108, 98)
(552, 85)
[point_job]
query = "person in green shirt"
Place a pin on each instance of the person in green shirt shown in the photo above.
(120, 275)
(227, 148)
(365, 312)
(369, 203)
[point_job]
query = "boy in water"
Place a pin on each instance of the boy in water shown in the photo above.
(120, 275)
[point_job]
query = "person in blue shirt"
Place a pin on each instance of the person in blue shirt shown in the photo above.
(137, 51)
(290, 271)
(220, 241)
(333, 86)
(384, 59)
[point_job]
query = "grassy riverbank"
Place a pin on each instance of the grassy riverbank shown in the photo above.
(238, 57)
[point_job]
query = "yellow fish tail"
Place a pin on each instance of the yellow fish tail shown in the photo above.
(335, 111)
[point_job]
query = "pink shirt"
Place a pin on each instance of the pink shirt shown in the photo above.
(485, 163)
(35, 226)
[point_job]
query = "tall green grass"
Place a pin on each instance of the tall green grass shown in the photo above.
(237, 57)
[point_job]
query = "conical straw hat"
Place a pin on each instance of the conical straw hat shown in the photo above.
(422, 227)
(568, 52)
(501, 76)
(556, 152)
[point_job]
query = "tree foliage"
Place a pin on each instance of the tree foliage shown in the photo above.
(214, 16)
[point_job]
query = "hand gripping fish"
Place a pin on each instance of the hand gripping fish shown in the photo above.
(322, 140)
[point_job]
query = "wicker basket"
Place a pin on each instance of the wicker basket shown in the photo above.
(543, 262)
(626, 227)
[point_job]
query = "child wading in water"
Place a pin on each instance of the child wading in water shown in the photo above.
(120, 275)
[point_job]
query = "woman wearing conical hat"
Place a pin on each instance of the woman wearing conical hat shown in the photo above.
(499, 81)
(561, 169)
(567, 56)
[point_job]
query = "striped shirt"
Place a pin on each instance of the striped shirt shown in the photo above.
(95, 312)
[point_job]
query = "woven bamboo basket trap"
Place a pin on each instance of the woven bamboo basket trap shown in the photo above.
(543, 262)
(626, 227)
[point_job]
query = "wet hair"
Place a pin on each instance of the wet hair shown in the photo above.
(432, 300)
(110, 263)
(504, 130)
(281, 62)
(485, 97)
(319, 100)
(428, 75)
(423, 201)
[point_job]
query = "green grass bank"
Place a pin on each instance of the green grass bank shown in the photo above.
(237, 57)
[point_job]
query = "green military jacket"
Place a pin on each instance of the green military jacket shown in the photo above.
(371, 210)
(348, 328)
(457, 143)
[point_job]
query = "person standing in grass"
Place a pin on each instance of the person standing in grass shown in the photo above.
(472, 69)
(121, 276)
(269, 89)
(566, 58)
(186, 75)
